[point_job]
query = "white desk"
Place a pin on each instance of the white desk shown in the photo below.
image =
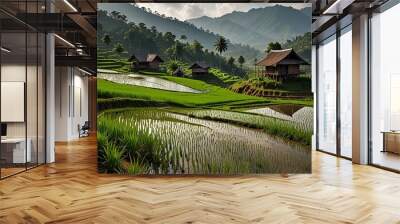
(19, 154)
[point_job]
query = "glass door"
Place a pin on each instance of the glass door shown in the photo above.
(345, 60)
(326, 99)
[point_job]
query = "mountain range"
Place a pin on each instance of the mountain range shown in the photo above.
(259, 26)
(248, 33)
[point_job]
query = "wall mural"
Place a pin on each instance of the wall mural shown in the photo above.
(204, 89)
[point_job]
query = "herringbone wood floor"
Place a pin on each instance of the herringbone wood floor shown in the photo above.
(71, 191)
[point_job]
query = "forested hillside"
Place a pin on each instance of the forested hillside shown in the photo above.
(259, 26)
(141, 40)
(302, 45)
(179, 28)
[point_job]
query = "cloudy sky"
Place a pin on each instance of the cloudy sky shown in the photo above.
(183, 11)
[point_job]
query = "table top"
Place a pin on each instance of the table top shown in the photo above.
(13, 140)
(391, 132)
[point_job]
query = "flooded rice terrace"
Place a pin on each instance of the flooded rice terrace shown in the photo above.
(296, 113)
(147, 81)
(197, 146)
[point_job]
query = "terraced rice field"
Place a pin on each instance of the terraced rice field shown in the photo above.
(147, 81)
(298, 114)
(188, 145)
(297, 131)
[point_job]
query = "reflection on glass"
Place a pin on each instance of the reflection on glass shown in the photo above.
(327, 95)
(22, 90)
(31, 98)
(385, 89)
(14, 153)
(346, 92)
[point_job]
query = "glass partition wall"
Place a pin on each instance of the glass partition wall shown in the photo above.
(385, 89)
(326, 102)
(345, 91)
(22, 77)
(334, 88)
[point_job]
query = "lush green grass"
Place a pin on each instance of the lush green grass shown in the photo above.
(301, 84)
(118, 102)
(299, 87)
(112, 61)
(212, 95)
(228, 79)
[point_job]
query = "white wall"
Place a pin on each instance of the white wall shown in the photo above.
(71, 102)
(11, 73)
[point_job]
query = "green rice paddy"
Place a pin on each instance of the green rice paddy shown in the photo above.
(155, 141)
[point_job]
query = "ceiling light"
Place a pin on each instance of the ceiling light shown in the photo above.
(70, 5)
(5, 50)
(337, 7)
(64, 40)
(86, 72)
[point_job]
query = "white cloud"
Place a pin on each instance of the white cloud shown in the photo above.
(184, 11)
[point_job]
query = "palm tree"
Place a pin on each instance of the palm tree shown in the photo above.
(107, 39)
(221, 45)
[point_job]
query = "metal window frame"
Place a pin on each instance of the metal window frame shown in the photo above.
(338, 33)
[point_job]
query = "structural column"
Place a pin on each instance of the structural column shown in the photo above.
(50, 91)
(50, 99)
(360, 90)
(314, 91)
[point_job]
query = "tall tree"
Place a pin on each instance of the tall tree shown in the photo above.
(255, 66)
(153, 29)
(221, 45)
(183, 37)
(107, 39)
(241, 61)
(118, 48)
(178, 50)
(231, 62)
(273, 46)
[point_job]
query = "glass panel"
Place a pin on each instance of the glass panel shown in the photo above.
(385, 89)
(13, 86)
(31, 99)
(22, 88)
(346, 92)
(327, 95)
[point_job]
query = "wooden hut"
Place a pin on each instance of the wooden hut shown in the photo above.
(154, 61)
(178, 72)
(150, 62)
(199, 68)
(281, 64)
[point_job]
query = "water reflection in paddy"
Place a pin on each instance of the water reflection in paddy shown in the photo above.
(147, 81)
(221, 147)
(296, 113)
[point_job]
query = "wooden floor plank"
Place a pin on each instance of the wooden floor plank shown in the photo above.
(71, 191)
